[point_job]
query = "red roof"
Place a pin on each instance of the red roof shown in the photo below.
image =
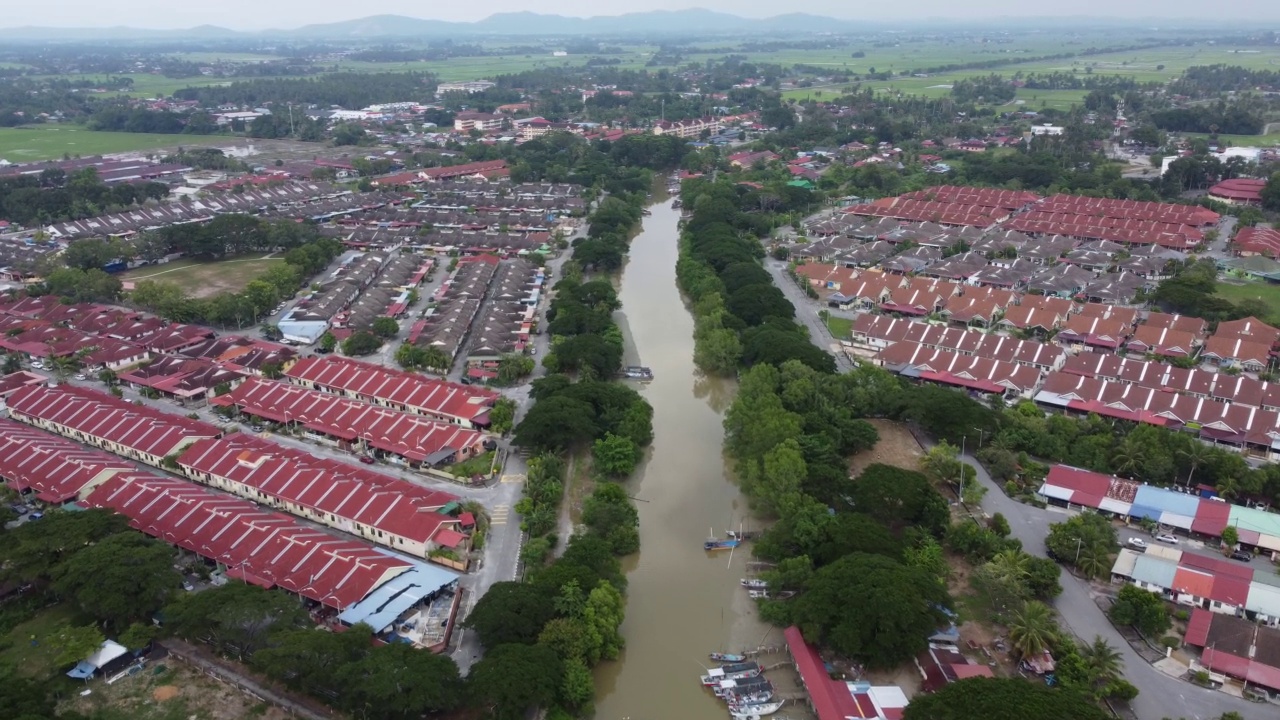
(1239, 189)
(813, 674)
(1198, 629)
(449, 538)
(108, 418)
(262, 547)
(401, 433)
(1263, 241)
(55, 468)
(415, 393)
(317, 485)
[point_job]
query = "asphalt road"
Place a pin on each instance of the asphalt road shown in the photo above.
(807, 313)
(1160, 695)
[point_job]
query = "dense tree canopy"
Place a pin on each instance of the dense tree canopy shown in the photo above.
(1002, 699)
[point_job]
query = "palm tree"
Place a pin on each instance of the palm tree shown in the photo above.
(1128, 459)
(1031, 628)
(1093, 561)
(1196, 454)
(1228, 488)
(1010, 564)
(1104, 662)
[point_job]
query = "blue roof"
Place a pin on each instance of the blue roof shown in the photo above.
(1167, 500)
(380, 608)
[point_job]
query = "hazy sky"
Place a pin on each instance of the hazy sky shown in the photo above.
(259, 14)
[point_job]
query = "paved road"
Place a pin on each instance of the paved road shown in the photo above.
(807, 313)
(1160, 696)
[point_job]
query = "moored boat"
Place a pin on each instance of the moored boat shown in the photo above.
(728, 657)
(718, 544)
(754, 584)
(752, 711)
(737, 671)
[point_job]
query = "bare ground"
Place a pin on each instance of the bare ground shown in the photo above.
(897, 446)
(177, 691)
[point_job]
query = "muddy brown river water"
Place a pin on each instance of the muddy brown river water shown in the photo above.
(682, 602)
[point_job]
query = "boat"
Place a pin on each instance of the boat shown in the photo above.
(713, 543)
(646, 213)
(745, 692)
(754, 583)
(728, 657)
(758, 594)
(637, 372)
(737, 671)
(675, 204)
(754, 710)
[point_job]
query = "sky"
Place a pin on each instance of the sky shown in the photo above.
(262, 14)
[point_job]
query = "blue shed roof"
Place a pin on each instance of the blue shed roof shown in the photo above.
(1167, 500)
(380, 608)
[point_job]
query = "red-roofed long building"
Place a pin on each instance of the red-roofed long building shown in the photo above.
(50, 468)
(377, 507)
(356, 425)
(261, 547)
(97, 418)
(450, 402)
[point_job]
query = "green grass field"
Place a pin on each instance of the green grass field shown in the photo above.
(48, 142)
(841, 328)
(204, 278)
(1244, 140)
(1267, 292)
(35, 660)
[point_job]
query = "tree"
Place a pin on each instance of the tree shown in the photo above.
(512, 679)
(385, 327)
(1104, 662)
(1031, 628)
(502, 415)
(328, 342)
(75, 643)
(609, 513)
(1230, 536)
(510, 613)
(34, 550)
(1143, 610)
(1002, 699)
(556, 423)
(1271, 193)
(614, 456)
(871, 607)
(399, 682)
(360, 344)
(900, 498)
(123, 578)
(1090, 532)
(237, 619)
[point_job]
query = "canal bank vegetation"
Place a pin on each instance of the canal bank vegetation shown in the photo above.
(542, 635)
(870, 559)
(741, 317)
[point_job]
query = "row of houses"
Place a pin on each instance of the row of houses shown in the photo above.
(509, 317)
(244, 541)
(446, 324)
(382, 509)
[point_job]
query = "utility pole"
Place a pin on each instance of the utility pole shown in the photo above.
(1079, 545)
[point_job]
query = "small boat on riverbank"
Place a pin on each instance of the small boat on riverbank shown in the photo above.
(737, 671)
(758, 594)
(754, 584)
(637, 372)
(753, 711)
(713, 543)
(728, 657)
(745, 691)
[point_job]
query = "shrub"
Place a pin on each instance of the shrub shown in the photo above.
(1171, 641)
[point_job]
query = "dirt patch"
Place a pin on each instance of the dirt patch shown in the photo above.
(170, 689)
(897, 446)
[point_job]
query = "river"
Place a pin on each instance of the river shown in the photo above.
(682, 603)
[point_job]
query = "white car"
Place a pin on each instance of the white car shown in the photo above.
(1167, 538)
(1138, 543)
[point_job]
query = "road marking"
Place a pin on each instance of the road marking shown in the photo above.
(499, 514)
(513, 478)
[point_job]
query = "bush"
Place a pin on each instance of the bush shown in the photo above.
(1171, 641)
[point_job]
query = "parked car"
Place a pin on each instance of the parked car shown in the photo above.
(367, 460)
(1242, 556)
(80, 376)
(1138, 543)
(490, 444)
(1167, 538)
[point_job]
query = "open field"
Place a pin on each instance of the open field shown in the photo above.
(47, 142)
(171, 690)
(1267, 292)
(897, 447)
(27, 646)
(234, 57)
(840, 328)
(1244, 140)
(204, 278)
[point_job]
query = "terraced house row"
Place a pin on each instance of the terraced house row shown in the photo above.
(380, 508)
(347, 580)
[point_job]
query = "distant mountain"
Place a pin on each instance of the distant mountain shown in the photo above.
(657, 22)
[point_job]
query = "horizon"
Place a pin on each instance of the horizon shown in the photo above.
(284, 16)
